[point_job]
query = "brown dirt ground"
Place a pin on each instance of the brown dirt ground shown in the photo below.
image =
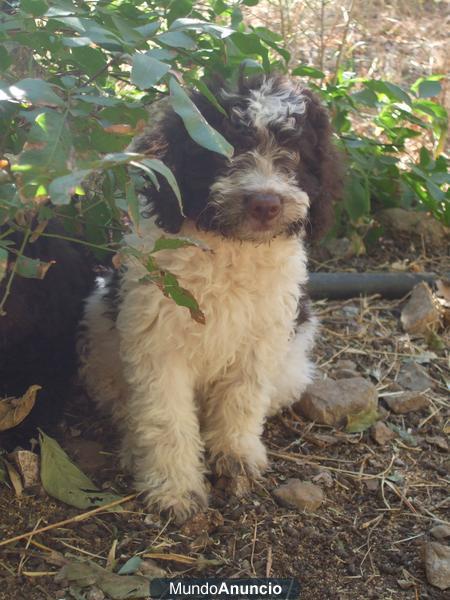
(365, 541)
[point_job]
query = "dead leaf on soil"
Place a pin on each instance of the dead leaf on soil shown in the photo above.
(14, 477)
(443, 289)
(63, 480)
(362, 420)
(199, 563)
(118, 587)
(14, 410)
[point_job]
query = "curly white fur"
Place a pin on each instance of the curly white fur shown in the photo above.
(179, 389)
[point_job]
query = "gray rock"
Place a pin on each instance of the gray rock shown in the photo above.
(437, 564)
(344, 369)
(414, 377)
(339, 248)
(329, 401)
(422, 313)
(381, 433)
(150, 569)
(303, 495)
(95, 593)
(405, 402)
(27, 464)
(440, 532)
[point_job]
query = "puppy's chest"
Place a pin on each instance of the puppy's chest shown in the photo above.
(245, 292)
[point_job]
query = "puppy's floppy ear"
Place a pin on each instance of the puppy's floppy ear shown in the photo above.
(164, 141)
(321, 167)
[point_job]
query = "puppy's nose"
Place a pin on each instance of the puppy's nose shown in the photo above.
(264, 207)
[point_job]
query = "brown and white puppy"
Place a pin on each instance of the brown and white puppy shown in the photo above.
(181, 391)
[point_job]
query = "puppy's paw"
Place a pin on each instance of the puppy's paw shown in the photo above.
(179, 505)
(250, 460)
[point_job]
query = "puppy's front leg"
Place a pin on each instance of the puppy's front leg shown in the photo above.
(236, 409)
(162, 440)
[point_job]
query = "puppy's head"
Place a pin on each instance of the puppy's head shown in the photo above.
(282, 177)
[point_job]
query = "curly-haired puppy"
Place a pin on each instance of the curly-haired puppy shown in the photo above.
(180, 390)
(39, 327)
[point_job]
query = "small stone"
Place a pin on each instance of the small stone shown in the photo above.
(27, 464)
(325, 478)
(437, 564)
(346, 364)
(381, 433)
(339, 248)
(372, 484)
(438, 441)
(303, 495)
(405, 584)
(330, 401)
(421, 314)
(405, 402)
(345, 369)
(440, 532)
(414, 377)
(95, 593)
(148, 568)
(202, 522)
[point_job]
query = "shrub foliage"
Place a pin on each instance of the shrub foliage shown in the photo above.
(78, 81)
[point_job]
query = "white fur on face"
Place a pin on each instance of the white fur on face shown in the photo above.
(267, 106)
(267, 169)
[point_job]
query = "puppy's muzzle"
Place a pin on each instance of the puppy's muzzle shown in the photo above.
(264, 208)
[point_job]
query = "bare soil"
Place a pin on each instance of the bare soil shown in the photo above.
(366, 540)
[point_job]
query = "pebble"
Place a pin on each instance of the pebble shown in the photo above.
(421, 313)
(405, 402)
(303, 495)
(440, 532)
(27, 464)
(202, 522)
(437, 564)
(414, 377)
(330, 401)
(381, 433)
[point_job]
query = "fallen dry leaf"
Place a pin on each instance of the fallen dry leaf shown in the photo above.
(14, 410)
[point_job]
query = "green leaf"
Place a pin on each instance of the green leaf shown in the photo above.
(217, 31)
(92, 60)
(63, 188)
(196, 124)
(172, 289)
(203, 89)
(63, 480)
(361, 421)
(156, 165)
(32, 268)
(3, 262)
(306, 71)
(429, 89)
(131, 566)
(5, 59)
(146, 71)
(35, 91)
(357, 197)
(164, 243)
(366, 97)
(48, 146)
(34, 7)
(176, 39)
(132, 203)
(82, 575)
(392, 91)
